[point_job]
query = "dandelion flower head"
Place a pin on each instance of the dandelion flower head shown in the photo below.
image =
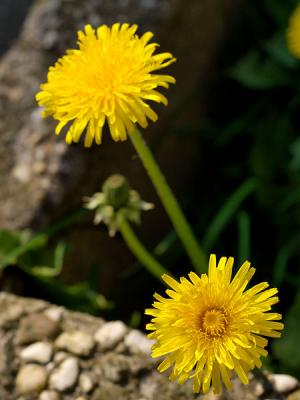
(293, 32)
(109, 78)
(211, 326)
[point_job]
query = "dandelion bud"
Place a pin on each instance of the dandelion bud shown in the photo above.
(116, 190)
(115, 203)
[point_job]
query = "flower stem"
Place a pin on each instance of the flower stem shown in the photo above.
(140, 251)
(194, 251)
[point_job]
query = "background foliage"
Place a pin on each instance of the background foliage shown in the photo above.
(253, 209)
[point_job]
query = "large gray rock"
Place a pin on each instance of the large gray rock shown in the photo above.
(34, 163)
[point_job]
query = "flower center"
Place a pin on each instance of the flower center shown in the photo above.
(214, 322)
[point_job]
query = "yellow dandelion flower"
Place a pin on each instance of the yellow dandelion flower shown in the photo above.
(210, 326)
(109, 78)
(293, 33)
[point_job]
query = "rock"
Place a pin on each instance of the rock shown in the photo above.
(79, 343)
(138, 343)
(65, 376)
(50, 366)
(149, 387)
(36, 327)
(13, 313)
(77, 321)
(49, 395)
(6, 355)
(86, 382)
(110, 334)
(40, 352)
(12, 308)
(140, 365)
(294, 396)
(239, 391)
(283, 383)
(258, 389)
(31, 378)
(109, 391)
(60, 356)
(114, 367)
(54, 313)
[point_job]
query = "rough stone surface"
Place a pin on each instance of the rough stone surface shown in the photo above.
(40, 352)
(123, 372)
(31, 378)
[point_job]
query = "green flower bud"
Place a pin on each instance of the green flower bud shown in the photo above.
(115, 203)
(116, 189)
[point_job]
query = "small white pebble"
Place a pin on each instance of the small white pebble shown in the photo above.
(49, 395)
(258, 389)
(283, 383)
(86, 383)
(78, 342)
(110, 334)
(138, 343)
(65, 376)
(31, 378)
(40, 352)
(54, 313)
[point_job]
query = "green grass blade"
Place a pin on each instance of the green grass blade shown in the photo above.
(227, 211)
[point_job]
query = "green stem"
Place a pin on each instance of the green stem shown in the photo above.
(140, 251)
(194, 251)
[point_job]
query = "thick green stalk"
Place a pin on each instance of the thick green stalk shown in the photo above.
(194, 251)
(140, 251)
